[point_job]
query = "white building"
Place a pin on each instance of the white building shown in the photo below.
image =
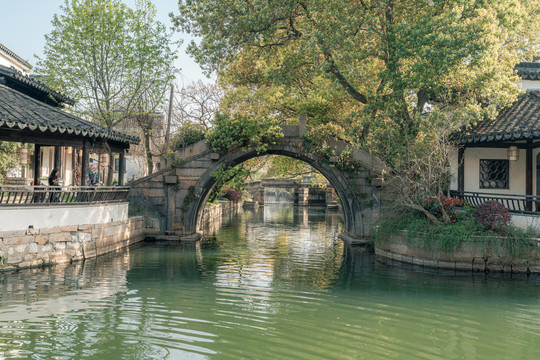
(500, 158)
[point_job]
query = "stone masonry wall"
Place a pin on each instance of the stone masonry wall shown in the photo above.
(47, 246)
(471, 256)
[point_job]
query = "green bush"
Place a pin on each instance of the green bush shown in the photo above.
(422, 233)
(188, 134)
(239, 130)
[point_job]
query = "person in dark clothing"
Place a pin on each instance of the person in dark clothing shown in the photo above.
(54, 181)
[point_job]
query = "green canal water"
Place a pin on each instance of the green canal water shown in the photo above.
(275, 284)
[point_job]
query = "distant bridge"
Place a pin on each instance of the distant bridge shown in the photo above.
(177, 194)
(305, 193)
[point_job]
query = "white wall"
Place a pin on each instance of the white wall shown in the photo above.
(9, 62)
(472, 158)
(21, 217)
(529, 84)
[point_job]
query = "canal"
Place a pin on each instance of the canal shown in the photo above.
(271, 284)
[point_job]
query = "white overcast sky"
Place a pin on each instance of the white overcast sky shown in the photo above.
(25, 22)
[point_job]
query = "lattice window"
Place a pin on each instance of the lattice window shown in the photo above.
(494, 174)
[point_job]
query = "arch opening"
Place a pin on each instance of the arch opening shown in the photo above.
(351, 210)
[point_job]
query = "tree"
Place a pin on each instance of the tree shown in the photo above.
(386, 75)
(154, 73)
(197, 103)
(386, 63)
(8, 158)
(111, 59)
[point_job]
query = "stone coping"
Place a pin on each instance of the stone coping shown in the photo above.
(472, 256)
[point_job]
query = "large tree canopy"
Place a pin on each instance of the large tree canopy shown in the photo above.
(378, 68)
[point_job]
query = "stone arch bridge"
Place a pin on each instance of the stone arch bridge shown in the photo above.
(175, 196)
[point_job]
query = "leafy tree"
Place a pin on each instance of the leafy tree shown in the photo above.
(8, 158)
(385, 75)
(385, 62)
(113, 60)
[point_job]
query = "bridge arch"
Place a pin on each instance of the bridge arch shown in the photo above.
(352, 209)
(173, 198)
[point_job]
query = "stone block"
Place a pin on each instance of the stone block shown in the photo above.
(85, 237)
(533, 268)
(10, 234)
(214, 156)
(20, 249)
(69, 228)
(33, 248)
(49, 231)
(41, 240)
(59, 245)
(25, 239)
(60, 237)
(478, 264)
(11, 260)
(190, 173)
(46, 248)
(463, 265)
(154, 192)
(171, 179)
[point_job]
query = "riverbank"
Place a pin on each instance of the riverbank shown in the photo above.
(65, 244)
(477, 255)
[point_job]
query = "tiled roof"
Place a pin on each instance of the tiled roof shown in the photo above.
(520, 121)
(20, 111)
(15, 56)
(528, 70)
(33, 87)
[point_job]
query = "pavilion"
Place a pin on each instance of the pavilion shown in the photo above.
(31, 113)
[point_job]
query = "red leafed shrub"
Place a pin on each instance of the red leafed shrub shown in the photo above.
(232, 195)
(493, 215)
(433, 205)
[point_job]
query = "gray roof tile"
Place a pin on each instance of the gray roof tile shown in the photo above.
(520, 121)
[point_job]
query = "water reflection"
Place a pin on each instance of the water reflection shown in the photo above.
(276, 283)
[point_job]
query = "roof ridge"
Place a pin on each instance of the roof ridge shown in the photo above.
(15, 56)
(36, 84)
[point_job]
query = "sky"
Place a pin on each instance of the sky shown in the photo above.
(25, 22)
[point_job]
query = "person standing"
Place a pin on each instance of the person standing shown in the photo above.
(54, 181)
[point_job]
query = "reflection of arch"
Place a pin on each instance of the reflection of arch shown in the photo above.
(351, 206)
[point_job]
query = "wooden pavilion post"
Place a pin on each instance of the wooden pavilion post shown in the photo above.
(529, 173)
(121, 167)
(37, 164)
(461, 170)
(84, 164)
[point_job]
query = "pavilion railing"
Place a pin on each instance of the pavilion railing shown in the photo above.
(521, 204)
(60, 195)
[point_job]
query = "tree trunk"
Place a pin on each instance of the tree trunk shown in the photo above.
(148, 153)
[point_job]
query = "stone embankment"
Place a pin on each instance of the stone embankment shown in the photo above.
(57, 245)
(471, 256)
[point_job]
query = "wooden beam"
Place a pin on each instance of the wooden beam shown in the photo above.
(461, 170)
(37, 164)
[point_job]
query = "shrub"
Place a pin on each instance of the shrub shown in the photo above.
(492, 215)
(433, 205)
(188, 134)
(232, 195)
